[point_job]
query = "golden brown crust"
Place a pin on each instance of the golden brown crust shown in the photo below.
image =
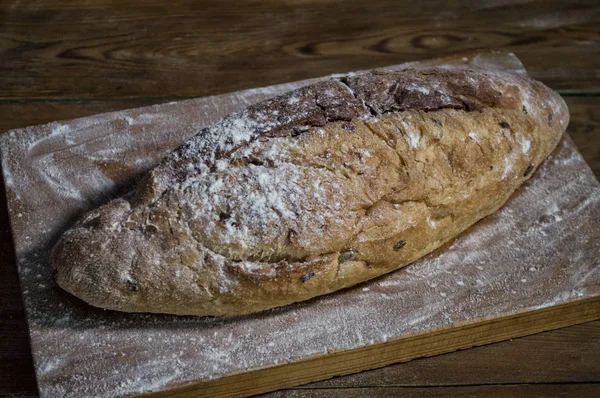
(313, 191)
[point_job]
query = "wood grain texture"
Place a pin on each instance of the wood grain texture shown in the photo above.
(584, 128)
(497, 391)
(513, 362)
(103, 49)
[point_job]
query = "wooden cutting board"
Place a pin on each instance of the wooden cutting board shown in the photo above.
(530, 267)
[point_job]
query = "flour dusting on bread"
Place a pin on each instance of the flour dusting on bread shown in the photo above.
(313, 191)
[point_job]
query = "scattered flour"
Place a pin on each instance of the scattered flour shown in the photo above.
(525, 145)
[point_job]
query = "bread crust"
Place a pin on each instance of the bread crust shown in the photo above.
(313, 191)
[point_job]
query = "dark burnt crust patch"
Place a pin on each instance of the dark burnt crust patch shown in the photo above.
(432, 89)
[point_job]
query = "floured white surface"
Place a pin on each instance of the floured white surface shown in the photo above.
(540, 250)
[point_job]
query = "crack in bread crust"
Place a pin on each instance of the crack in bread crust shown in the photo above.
(345, 99)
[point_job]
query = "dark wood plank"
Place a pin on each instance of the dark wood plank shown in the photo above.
(495, 391)
(105, 49)
(584, 128)
(568, 355)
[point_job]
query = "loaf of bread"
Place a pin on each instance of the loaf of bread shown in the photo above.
(313, 191)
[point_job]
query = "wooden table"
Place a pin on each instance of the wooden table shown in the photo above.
(61, 60)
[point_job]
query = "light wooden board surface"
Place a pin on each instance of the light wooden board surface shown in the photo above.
(548, 360)
(45, 146)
